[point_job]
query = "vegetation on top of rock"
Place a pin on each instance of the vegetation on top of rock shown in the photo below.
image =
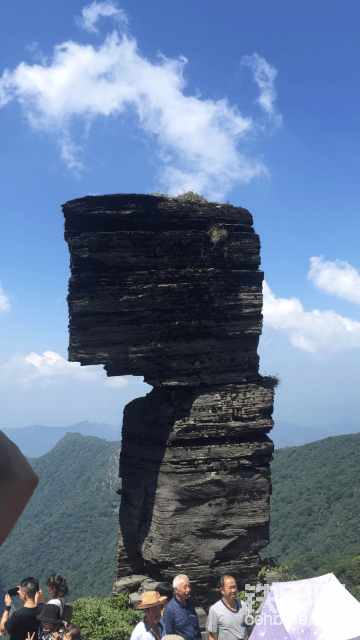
(270, 381)
(188, 196)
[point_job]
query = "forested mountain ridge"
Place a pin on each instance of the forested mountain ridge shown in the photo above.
(315, 500)
(70, 525)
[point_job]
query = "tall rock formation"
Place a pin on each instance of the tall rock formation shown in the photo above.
(169, 289)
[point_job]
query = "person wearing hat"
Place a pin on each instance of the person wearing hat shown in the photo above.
(23, 620)
(51, 622)
(151, 627)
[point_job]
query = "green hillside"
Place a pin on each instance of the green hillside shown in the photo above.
(70, 525)
(315, 505)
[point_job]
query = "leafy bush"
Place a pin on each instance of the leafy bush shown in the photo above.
(107, 619)
(282, 570)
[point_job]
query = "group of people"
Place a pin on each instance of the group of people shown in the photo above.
(169, 613)
(38, 620)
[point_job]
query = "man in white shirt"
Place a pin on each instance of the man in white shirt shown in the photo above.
(150, 628)
(226, 620)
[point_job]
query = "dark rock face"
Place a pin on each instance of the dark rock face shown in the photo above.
(171, 290)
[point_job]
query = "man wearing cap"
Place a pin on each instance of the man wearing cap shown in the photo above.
(180, 617)
(23, 620)
(227, 617)
(150, 627)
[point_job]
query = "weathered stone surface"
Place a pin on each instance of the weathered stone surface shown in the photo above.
(135, 598)
(148, 585)
(129, 583)
(202, 615)
(151, 293)
(201, 496)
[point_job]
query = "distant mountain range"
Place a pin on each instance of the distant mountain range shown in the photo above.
(37, 440)
(290, 434)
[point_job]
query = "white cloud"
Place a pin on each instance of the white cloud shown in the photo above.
(197, 139)
(264, 75)
(4, 301)
(322, 333)
(338, 278)
(50, 368)
(71, 154)
(92, 13)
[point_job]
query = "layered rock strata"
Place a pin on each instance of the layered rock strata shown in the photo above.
(170, 289)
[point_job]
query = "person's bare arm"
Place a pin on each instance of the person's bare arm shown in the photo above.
(212, 636)
(5, 615)
(17, 484)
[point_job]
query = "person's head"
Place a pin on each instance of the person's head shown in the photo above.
(153, 614)
(181, 586)
(152, 606)
(165, 589)
(56, 586)
(27, 589)
(50, 617)
(72, 633)
(228, 587)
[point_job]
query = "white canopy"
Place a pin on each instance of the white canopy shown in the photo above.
(315, 609)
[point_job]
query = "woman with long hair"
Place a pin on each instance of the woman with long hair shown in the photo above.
(58, 589)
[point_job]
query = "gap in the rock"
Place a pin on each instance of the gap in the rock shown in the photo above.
(130, 388)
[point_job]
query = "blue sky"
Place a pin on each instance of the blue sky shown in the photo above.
(252, 102)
